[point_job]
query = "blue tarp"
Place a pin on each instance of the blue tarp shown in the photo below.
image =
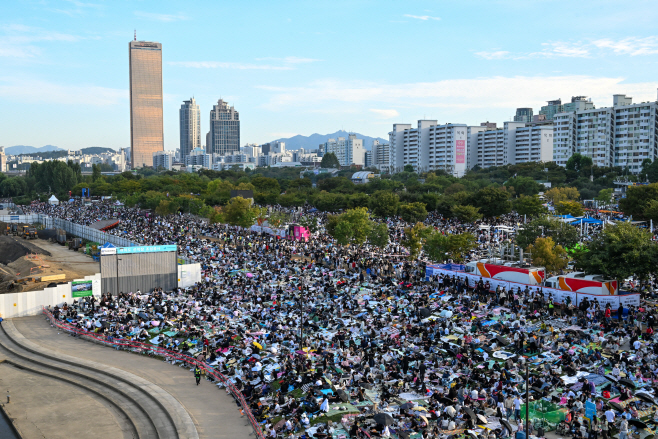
(108, 245)
(587, 221)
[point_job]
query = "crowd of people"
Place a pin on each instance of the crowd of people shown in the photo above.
(328, 341)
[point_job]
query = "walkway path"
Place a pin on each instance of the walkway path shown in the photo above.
(214, 413)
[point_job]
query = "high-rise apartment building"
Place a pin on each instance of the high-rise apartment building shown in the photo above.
(431, 146)
(622, 135)
(381, 156)
(349, 151)
(146, 135)
(224, 129)
(163, 159)
(578, 103)
(3, 160)
(190, 127)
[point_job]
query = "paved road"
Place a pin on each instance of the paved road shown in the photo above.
(215, 414)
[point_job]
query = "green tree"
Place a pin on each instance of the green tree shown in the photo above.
(384, 204)
(309, 222)
(328, 202)
(329, 160)
(412, 212)
(547, 254)
(358, 199)
(466, 214)
(569, 208)
(95, 173)
(562, 233)
(557, 194)
(605, 196)
(529, 205)
(238, 212)
(409, 168)
(524, 186)
(492, 201)
(579, 163)
(354, 226)
(453, 246)
(414, 237)
(620, 251)
(650, 170)
(379, 235)
(637, 198)
(651, 210)
(277, 218)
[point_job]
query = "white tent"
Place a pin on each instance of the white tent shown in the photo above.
(53, 200)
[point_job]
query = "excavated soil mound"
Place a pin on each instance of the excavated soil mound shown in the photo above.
(12, 248)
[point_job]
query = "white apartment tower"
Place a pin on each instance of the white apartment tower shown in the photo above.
(190, 127)
(622, 135)
(431, 146)
(349, 151)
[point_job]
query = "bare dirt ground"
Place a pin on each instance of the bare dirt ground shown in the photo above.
(21, 258)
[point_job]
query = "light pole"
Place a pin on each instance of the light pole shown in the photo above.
(301, 315)
(118, 259)
(527, 399)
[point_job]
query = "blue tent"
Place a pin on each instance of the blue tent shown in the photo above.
(592, 221)
(565, 216)
(108, 245)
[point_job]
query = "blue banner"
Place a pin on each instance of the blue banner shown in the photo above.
(147, 249)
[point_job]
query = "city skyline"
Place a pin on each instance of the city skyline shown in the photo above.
(318, 70)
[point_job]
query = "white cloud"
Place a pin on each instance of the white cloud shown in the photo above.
(18, 41)
(455, 94)
(290, 60)
(386, 114)
(496, 54)
(167, 18)
(630, 46)
(422, 17)
(38, 91)
(226, 65)
(633, 46)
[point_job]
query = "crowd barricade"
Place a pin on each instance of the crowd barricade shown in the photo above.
(558, 296)
(139, 347)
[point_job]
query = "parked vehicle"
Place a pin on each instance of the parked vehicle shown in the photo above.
(75, 244)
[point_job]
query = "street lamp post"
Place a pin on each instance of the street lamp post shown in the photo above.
(527, 399)
(118, 259)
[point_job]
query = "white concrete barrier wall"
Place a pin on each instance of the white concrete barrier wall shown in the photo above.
(30, 303)
(188, 275)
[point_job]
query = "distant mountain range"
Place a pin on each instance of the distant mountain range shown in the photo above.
(23, 149)
(31, 150)
(312, 141)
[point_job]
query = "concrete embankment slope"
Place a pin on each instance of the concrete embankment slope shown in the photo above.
(202, 411)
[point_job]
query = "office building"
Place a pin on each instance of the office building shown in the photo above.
(190, 127)
(367, 159)
(622, 135)
(146, 135)
(224, 135)
(163, 159)
(523, 115)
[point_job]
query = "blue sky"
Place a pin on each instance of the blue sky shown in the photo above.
(300, 67)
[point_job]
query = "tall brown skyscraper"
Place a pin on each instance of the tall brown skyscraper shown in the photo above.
(146, 135)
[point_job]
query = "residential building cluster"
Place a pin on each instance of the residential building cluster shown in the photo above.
(622, 135)
(119, 161)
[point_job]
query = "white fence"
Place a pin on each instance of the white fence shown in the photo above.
(79, 230)
(29, 303)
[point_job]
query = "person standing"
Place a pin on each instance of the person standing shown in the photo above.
(197, 374)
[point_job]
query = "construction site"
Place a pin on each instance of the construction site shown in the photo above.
(32, 259)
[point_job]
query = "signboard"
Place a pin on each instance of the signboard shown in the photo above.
(108, 251)
(82, 288)
(146, 249)
(590, 409)
(558, 296)
(460, 151)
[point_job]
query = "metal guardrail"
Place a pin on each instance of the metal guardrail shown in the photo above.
(138, 347)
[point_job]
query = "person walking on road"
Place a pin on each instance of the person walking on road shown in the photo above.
(197, 374)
